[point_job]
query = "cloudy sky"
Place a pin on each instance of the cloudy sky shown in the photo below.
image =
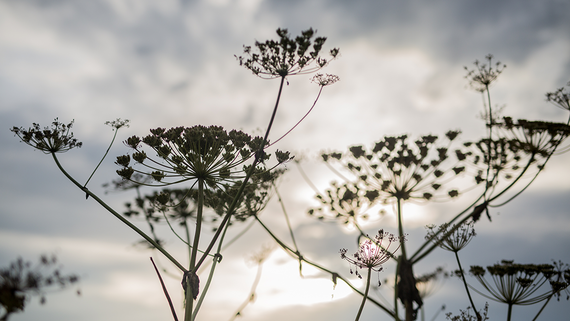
(171, 63)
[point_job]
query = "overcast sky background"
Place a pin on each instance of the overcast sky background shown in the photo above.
(171, 63)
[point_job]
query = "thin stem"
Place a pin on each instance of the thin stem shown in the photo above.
(235, 201)
(542, 308)
(286, 217)
(289, 227)
(120, 217)
(165, 292)
(365, 295)
(297, 124)
(466, 287)
(306, 178)
(101, 161)
(206, 287)
(293, 254)
(216, 260)
(251, 294)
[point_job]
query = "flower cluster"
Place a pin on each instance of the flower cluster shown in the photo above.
(346, 202)
(21, 280)
(484, 74)
(255, 196)
(452, 238)
(57, 139)
(466, 315)
(395, 169)
(517, 283)
(325, 80)
(560, 97)
(536, 138)
(520, 144)
(286, 56)
(428, 283)
(372, 253)
(209, 154)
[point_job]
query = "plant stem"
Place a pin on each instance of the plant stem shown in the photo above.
(542, 308)
(217, 258)
(189, 316)
(200, 207)
(365, 296)
(302, 258)
(509, 312)
(401, 228)
(102, 158)
(466, 287)
(235, 201)
(120, 217)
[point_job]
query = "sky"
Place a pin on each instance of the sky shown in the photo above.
(171, 63)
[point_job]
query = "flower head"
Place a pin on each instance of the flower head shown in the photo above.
(57, 139)
(560, 98)
(119, 123)
(195, 153)
(452, 238)
(325, 80)
(345, 202)
(516, 284)
(286, 56)
(484, 74)
(395, 168)
(372, 253)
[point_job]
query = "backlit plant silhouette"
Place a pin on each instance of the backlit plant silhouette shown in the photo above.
(21, 280)
(208, 177)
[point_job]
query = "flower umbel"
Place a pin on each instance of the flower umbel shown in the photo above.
(286, 56)
(397, 169)
(560, 98)
(373, 253)
(194, 153)
(57, 139)
(325, 80)
(452, 238)
(484, 74)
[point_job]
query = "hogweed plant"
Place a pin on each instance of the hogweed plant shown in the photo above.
(209, 178)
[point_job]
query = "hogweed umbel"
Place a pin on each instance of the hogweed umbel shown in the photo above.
(55, 139)
(286, 56)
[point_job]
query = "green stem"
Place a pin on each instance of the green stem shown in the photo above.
(120, 217)
(365, 296)
(200, 208)
(217, 258)
(189, 316)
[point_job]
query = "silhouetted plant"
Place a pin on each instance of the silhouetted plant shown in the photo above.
(516, 284)
(21, 280)
(213, 177)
